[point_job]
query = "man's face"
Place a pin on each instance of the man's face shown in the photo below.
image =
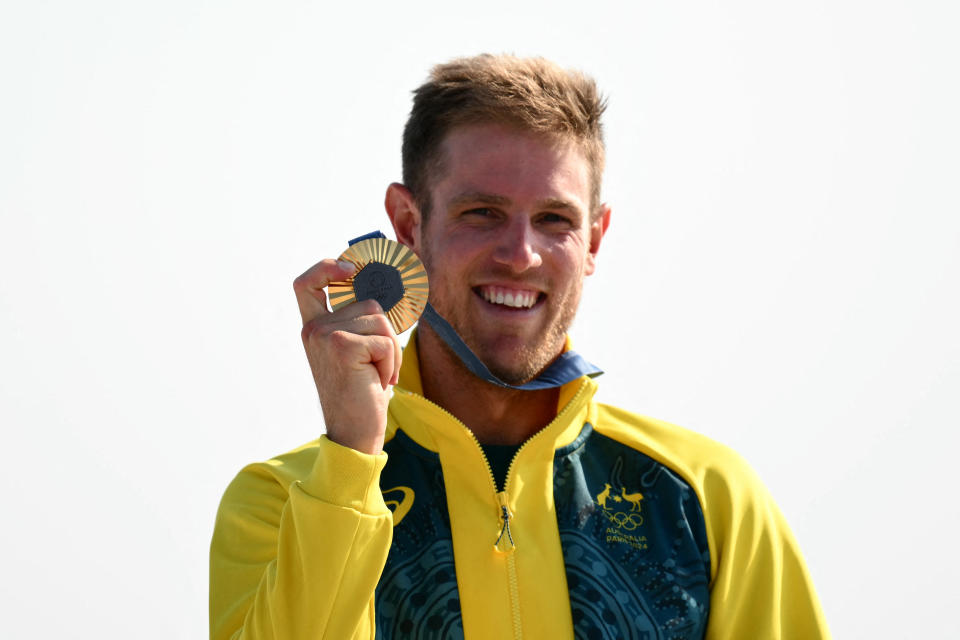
(508, 242)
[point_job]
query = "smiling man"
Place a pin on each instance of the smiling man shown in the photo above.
(507, 504)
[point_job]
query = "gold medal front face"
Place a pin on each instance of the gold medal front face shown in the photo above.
(388, 272)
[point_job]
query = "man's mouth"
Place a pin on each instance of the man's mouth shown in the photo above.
(509, 296)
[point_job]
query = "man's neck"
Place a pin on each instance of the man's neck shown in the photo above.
(495, 415)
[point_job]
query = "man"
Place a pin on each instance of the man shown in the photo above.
(460, 506)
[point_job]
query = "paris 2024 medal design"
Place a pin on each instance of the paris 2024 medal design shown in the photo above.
(388, 272)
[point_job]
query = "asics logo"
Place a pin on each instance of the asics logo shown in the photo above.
(399, 500)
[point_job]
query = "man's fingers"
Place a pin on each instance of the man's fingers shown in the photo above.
(361, 325)
(357, 353)
(361, 318)
(355, 310)
(367, 318)
(385, 356)
(309, 286)
(397, 359)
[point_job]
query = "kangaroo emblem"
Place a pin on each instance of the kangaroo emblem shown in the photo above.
(603, 495)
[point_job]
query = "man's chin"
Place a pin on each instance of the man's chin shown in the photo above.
(513, 359)
(516, 373)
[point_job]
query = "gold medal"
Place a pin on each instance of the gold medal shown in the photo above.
(388, 272)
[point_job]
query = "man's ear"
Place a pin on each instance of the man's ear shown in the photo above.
(597, 230)
(404, 215)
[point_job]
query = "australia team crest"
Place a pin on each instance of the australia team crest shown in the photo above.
(622, 507)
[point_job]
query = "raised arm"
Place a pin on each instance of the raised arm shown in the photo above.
(300, 541)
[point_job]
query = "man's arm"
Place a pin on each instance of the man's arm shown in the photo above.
(354, 356)
(759, 583)
(762, 588)
(299, 544)
(300, 559)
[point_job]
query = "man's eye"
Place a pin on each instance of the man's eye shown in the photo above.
(482, 212)
(554, 218)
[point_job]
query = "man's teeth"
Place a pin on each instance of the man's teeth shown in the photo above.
(516, 299)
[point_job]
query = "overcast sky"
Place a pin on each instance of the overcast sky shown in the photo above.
(781, 272)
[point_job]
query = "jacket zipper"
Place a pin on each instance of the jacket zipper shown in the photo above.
(504, 542)
(505, 545)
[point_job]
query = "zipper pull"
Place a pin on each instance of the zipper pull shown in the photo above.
(505, 542)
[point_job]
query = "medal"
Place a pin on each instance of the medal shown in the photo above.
(388, 272)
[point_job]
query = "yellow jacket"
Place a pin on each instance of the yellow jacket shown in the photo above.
(611, 525)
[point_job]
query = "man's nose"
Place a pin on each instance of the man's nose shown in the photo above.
(517, 246)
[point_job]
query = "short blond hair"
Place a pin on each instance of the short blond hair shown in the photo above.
(532, 94)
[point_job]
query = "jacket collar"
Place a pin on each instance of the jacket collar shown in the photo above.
(420, 418)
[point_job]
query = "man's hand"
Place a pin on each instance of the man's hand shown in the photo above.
(354, 356)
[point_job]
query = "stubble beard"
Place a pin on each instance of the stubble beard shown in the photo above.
(534, 358)
(531, 357)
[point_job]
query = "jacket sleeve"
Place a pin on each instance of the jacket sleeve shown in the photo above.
(761, 588)
(300, 557)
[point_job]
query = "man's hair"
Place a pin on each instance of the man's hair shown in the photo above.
(531, 94)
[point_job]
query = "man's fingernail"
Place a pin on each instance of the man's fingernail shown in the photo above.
(347, 266)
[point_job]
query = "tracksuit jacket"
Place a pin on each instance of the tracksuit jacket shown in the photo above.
(611, 525)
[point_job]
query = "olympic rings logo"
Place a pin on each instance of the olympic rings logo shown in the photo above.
(624, 520)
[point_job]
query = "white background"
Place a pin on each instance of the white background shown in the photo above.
(781, 273)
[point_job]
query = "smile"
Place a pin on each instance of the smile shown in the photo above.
(509, 297)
